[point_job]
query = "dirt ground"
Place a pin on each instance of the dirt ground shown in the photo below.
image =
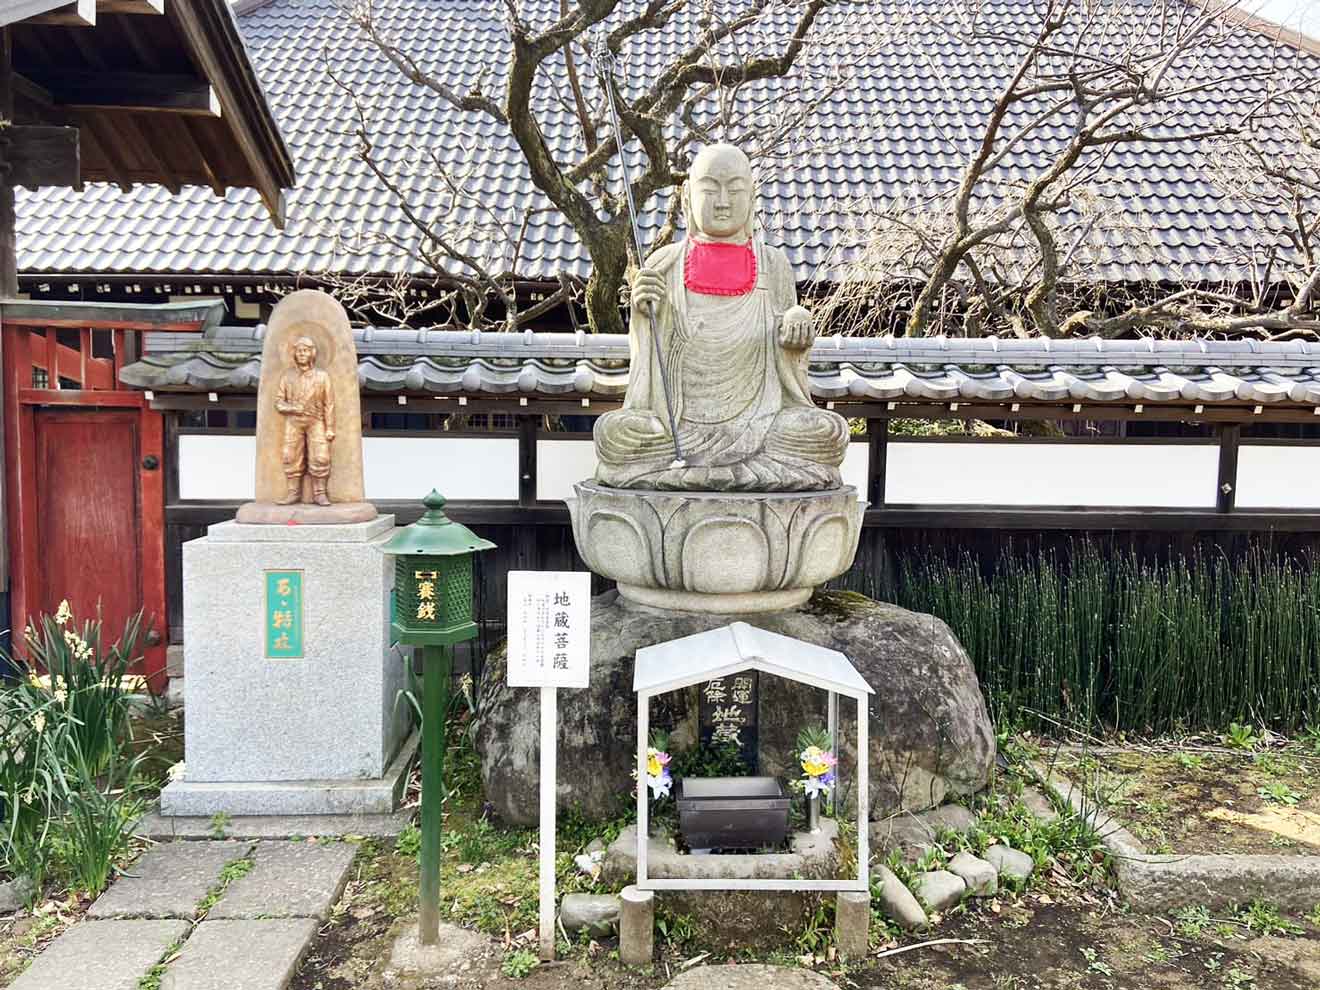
(1207, 799)
(1051, 937)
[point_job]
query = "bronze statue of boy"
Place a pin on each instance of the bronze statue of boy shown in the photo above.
(307, 401)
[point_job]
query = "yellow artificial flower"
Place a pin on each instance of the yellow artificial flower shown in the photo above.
(813, 761)
(653, 764)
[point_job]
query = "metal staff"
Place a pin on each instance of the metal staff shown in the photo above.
(604, 67)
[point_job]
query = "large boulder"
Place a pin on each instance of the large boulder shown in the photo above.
(930, 736)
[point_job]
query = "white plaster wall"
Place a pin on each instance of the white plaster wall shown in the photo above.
(222, 466)
(562, 463)
(1053, 474)
(1278, 477)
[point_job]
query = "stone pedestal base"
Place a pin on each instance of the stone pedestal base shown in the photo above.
(315, 735)
(723, 552)
(305, 514)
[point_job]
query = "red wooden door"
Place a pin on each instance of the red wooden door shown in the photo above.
(89, 514)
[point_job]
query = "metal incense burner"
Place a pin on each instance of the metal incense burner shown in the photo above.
(732, 812)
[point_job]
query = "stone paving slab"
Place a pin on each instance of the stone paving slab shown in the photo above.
(289, 880)
(241, 955)
(749, 977)
(168, 881)
(101, 955)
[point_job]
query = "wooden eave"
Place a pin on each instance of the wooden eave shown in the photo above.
(161, 91)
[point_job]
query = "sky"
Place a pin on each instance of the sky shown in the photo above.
(1301, 14)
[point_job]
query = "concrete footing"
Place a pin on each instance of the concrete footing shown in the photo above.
(852, 923)
(636, 926)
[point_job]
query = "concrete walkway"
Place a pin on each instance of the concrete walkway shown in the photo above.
(231, 915)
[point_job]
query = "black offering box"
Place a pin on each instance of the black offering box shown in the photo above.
(732, 812)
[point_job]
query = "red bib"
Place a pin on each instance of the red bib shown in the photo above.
(715, 268)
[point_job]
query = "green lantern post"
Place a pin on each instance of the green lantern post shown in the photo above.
(433, 609)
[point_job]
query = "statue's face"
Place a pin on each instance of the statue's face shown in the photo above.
(720, 192)
(304, 355)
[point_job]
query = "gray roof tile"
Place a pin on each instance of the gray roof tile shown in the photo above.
(927, 94)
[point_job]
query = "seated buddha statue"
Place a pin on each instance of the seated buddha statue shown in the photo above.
(734, 344)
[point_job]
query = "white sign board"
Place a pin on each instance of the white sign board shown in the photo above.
(549, 628)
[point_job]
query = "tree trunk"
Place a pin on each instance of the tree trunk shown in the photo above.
(609, 265)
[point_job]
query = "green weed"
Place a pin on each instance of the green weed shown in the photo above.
(518, 963)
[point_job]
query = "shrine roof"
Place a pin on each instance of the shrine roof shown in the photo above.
(902, 129)
(165, 100)
(846, 369)
(739, 646)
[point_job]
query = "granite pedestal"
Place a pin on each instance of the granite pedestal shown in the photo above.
(318, 734)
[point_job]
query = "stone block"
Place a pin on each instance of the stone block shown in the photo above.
(596, 914)
(1009, 862)
(636, 926)
(377, 796)
(731, 916)
(241, 955)
(1162, 884)
(289, 880)
(940, 890)
(896, 901)
(14, 894)
(981, 878)
(163, 828)
(852, 923)
(168, 881)
(101, 955)
(328, 717)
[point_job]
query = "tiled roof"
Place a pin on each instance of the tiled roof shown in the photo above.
(859, 369)
(904, 124)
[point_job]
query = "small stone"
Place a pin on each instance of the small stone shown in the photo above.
(240, 955)
(101, 955)
(597, 914)
(596, 845)
(940, 890)
(981, 878)
(14, 894)
(289, 880)
(897, 903)
(948, 817)
(1038, 804)
(1009, 862)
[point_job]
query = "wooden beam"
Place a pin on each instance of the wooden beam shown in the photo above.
(193, 137)
(137, 92)
(147, 7)
(39, 156)
(93, 128)
(1230, 436)
(877, 437)
(224, 63)
(134, 137)
(81, 13)
(26, 89)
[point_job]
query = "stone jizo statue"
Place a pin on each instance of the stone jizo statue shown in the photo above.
(307, 400)
(734, 342)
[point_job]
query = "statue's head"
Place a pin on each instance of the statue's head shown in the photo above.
(719, 193)
(304, 352)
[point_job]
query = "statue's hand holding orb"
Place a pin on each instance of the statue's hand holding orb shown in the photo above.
(796, 332)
